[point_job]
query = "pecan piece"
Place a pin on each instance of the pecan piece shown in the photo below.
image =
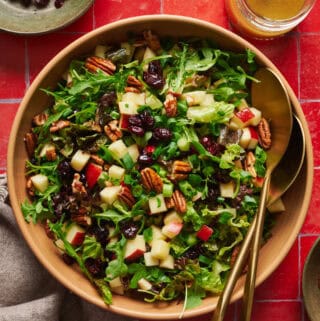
(51, 154)
(60, 124)
(152, 40)
(180, 203)
(30, 188)
(77, 185)
(135, 82)
(180, 170)
(151, 180)
(249, 164)
(40, 119)
(93, 64)
(126, 196)
(171, 105)
(112, 130)
(264, 134)
(30, 140)
(81, 217)
(130, 89)
(97, 159)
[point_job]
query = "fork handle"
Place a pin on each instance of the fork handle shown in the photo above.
(234, 274)
(254, 253)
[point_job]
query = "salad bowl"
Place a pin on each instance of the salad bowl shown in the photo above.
(287, 224)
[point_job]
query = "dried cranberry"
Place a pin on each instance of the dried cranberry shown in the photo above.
(161, 134)
(67, 259)
(135, 120)
(145, 159)
(136, 130)
(147, 120)
(129, 229)
(65, 171)
(96, 267)
(101, 233)
(58, 3)
(108, 99)
(154, 76)
(206, 141)
(193, 252)
(222, 175)
(149, 149)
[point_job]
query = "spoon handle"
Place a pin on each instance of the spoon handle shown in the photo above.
(254, 253)
(234, 274)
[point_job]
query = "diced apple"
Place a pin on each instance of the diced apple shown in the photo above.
(242, 118)
(134, 153)
(79, 160)
(156, 234)
(149, 260)
(194, 98)
(256, 116)
(197, 196)
(124, 121)
(172, 216)
(148, 54)
(128, 108)
(60, 245)
(110, 194)
(100, 51)
(249, 138)
(93, 171)
(157, 204)
(172, 229)
(135, 248)
(75, 234)
(204, 233)
(116, 286)
(160, 249)
(167, 263)
(118, 149)
(144, 284)
(137, 99)
(40, 182)
(116, 172)
(227, 189)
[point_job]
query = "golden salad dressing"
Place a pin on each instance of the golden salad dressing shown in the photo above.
(276, 9)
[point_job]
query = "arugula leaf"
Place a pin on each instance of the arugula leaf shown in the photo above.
(259, 165)
(91, 248)
(232, 152)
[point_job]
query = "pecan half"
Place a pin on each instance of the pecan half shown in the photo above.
(180, 203)
(29, 187)
(264, 134)
(30, 139)
(180, 170)
(171, 105)
(51, 154)
(93, 64)
(152, 40)
(40, 119)
(77, 185)
(97, 159)
(151, 180)
(81, 217)
(135, 82)
(112, 130)
(60, 124)
(249, 164)
(126, 196)
(130, 89)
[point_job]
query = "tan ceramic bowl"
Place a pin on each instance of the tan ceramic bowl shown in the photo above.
(287, 226)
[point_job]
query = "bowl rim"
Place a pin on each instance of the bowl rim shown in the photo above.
(104, 29)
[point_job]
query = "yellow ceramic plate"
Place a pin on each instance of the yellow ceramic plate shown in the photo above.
(15, 18)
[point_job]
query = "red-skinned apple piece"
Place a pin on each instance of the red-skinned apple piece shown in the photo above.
(124, 121)
(93, 172)
(204, 233)
(135, 248)
(75, 234)
(172, 229)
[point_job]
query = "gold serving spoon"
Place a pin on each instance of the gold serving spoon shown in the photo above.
(271, 97)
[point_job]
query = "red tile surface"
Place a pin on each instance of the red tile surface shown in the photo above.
(310, 66)
(312, 23)
(108, 10)
(297, 55)
(12, 66)
(279, 285)
(7, 114)
(209, 10)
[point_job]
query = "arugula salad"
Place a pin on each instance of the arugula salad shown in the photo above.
(145, 170)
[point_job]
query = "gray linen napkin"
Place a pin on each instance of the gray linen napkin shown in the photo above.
(27, 291)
